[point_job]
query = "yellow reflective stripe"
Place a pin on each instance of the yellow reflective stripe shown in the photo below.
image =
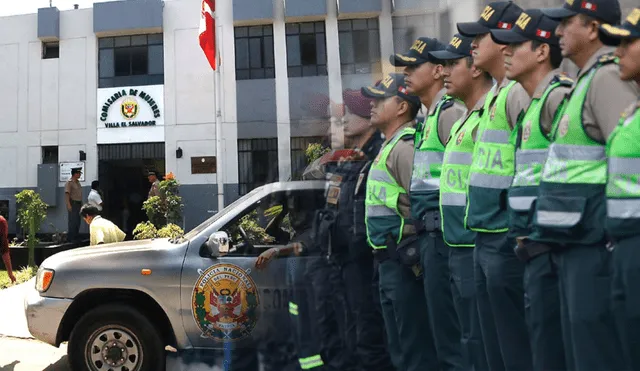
(521, 203)
(531, 156)
(623, 208)
(453, 199)
(459, 158)
(311, 362)
(624, 165)
(495, 136)
(380, 210)
(490, 181)
(293, 308)
(558, 218)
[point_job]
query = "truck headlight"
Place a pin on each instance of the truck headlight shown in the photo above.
(44, 279)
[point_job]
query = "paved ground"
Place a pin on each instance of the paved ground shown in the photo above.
(12, 319)
(31, 355)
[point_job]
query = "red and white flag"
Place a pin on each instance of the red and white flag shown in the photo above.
(208, 31)
(589, 6)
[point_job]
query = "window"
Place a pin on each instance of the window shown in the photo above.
(254, 53)
(257, 163)
(299, 160)
(359, 46)
(306, 49)
(50, 50)
(130, 60)
(50, 155)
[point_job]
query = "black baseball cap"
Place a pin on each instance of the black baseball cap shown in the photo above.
(459, 47)
(612, 35)
(500, 15)
(390, 86)
(531, 25)
(607, 11)
(418, 53)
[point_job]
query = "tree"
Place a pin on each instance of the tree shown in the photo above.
(31, 213)
(164, 212)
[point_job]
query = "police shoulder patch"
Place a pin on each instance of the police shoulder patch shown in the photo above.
(447, 104)
(607, 58)
(563, 80)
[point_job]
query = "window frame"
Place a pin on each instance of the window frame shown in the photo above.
(372, 63)
(267, 60)
(108, 48)
(296, 67)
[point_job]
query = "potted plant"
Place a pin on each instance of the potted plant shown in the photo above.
(164, 212)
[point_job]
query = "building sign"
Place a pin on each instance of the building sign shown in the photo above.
(65, 170)
(133, 114)
(203, 165)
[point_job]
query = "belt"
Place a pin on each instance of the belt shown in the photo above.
(74, 201)
(430, 222)
(526, 249)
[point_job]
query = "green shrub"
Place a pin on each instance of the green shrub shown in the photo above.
(164, 212)
(31, 213)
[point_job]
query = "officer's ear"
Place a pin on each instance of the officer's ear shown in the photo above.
(403, 106)
(438, 72)
(543, 52)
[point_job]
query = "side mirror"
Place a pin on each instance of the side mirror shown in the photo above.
(217, 244)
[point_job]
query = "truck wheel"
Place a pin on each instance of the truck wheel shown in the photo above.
(115, 337)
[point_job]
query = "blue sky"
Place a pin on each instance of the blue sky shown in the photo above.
(12, 7)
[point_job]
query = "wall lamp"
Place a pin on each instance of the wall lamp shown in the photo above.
(179, 152)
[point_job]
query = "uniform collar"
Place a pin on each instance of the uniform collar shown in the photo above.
(478, 106)
(502, 85)
(406, 125)
(594, 59)
(542, 85)
(436, 100)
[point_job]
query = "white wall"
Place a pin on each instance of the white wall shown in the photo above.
(189, 93)
(46, 102)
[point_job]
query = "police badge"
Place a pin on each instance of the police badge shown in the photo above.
(526, 132)
(563, 128)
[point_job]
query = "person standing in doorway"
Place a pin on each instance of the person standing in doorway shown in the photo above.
(4, 247)
(95, 198)
(155, 184)
(73, 200)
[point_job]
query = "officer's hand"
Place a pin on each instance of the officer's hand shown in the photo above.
(265, 258)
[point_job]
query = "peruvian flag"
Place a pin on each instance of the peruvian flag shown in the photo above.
(589, 6)
(208, 31)
(544, 34)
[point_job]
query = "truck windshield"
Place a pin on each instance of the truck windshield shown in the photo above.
(197, 230)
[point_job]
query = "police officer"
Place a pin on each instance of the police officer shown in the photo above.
(533, 59)
(570, 208)
(499, 273)
(423, 77)
(389, 228)
(623, 198)
(340, 228)
(471, 85)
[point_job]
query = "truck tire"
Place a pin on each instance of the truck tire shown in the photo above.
(115, 337)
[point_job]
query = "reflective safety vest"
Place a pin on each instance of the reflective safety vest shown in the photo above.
(492, 169)
(531, 145)
(383, 219)
(458, 156)
(570, 208)
(427, 164)
(623, 185)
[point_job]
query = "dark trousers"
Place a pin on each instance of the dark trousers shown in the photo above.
(463, 288)
(302, 310)
(405, 316)
(542, 308)
(74, 221)
(588, 328)
(333, 316)
(499, 281)
(367, 334)
(434, 256)
(626, 298)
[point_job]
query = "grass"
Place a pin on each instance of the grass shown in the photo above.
(22, 275)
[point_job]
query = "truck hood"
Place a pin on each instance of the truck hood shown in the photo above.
(114, 252)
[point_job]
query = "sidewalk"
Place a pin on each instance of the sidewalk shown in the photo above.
(13, 321)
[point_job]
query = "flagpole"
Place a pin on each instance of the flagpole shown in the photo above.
(217, 91)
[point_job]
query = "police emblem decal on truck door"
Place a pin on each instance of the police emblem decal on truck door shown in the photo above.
(225, 303)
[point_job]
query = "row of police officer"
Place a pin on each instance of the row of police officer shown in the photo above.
(533, 190)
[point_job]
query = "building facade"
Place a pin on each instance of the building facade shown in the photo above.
(123, 88)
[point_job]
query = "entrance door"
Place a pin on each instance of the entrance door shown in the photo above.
(123, 170)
